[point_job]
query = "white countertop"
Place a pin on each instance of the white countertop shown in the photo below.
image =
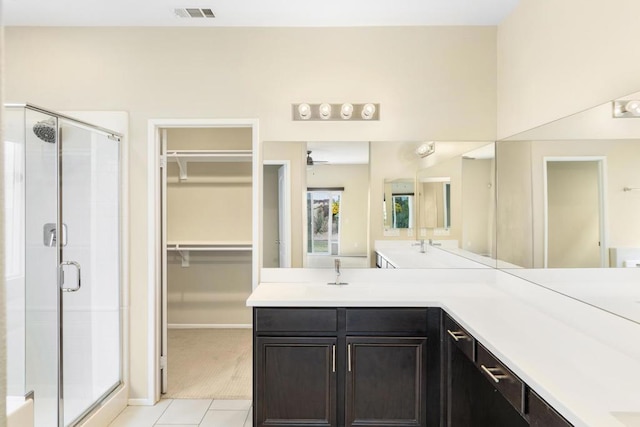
(585, 362)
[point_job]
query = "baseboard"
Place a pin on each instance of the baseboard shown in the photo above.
(209, 326)
(141, 402)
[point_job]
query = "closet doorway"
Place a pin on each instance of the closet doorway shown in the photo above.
(206, 229)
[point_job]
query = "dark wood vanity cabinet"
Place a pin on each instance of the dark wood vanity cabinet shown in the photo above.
(362, 367)
(400, 367)
(472, 395)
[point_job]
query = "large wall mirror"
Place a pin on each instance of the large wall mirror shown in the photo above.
(569, 198)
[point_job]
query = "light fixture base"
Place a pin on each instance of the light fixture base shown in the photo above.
(336, 112)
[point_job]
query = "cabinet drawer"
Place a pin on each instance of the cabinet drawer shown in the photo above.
(511, 387)
(296, 320)
(543, 415)
(401, 321)
(459, 337)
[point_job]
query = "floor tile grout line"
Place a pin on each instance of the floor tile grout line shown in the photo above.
(165, 410)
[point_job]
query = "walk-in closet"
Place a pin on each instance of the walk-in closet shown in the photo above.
(207, 261)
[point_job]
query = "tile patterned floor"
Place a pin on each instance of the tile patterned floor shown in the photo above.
(187, 413)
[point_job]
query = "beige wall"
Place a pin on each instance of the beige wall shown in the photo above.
(354, 204)
(556, 58)
(418, 75)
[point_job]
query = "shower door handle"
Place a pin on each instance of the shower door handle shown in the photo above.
(61, 272)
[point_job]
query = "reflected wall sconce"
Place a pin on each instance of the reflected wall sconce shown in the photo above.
(626, 108)
(426, 149)
(335, 112)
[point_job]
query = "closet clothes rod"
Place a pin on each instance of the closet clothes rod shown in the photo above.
(209, 248)
(189, 246)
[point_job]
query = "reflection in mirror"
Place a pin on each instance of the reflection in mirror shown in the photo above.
(434, 195)
(569, 198)
(563, 202)
(456, 204)
(320, 191)
(399, 198)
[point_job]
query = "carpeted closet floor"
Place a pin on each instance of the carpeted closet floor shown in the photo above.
(209, 363)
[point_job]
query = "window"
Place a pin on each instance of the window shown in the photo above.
(323, 222)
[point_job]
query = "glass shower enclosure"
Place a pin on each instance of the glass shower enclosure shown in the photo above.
(62, 246)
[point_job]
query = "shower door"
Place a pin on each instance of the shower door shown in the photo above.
(73, 355)
(90, 279)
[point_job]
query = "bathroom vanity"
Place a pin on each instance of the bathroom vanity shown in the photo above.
(450, 349)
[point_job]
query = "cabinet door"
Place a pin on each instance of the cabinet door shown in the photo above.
(386, 381)
(543, 415)
(295, 382)
(473, 401)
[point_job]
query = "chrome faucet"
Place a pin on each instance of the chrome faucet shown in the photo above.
(337, 268)
(421, 244)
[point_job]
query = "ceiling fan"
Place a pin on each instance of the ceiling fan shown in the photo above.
(311, 162)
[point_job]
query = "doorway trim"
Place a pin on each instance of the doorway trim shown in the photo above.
(154, 266)
(602, 197)
(286, 165)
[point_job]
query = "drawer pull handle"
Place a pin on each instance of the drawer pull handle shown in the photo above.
(457, 335)
(333, 363)
(495, 374)
(349, 356)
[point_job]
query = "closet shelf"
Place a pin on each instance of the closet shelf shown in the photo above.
(184, 157)
(210, 155)
(185, 248)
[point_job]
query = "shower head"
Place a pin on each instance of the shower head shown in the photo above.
(46, 130)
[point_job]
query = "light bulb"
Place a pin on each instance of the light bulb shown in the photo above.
(346, 111)
(633, 107)
(304, 110)
(368, 111)
(325, 111)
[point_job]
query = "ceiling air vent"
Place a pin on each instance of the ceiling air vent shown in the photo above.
(194, 13)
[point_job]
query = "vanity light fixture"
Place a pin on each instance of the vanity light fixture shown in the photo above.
(426, 149)
(335, 112)
(626, 108)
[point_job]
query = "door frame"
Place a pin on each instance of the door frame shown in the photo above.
(602, 197)
(286, 233)
(155, 300)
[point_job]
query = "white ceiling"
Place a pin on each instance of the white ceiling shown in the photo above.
(256, 13)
